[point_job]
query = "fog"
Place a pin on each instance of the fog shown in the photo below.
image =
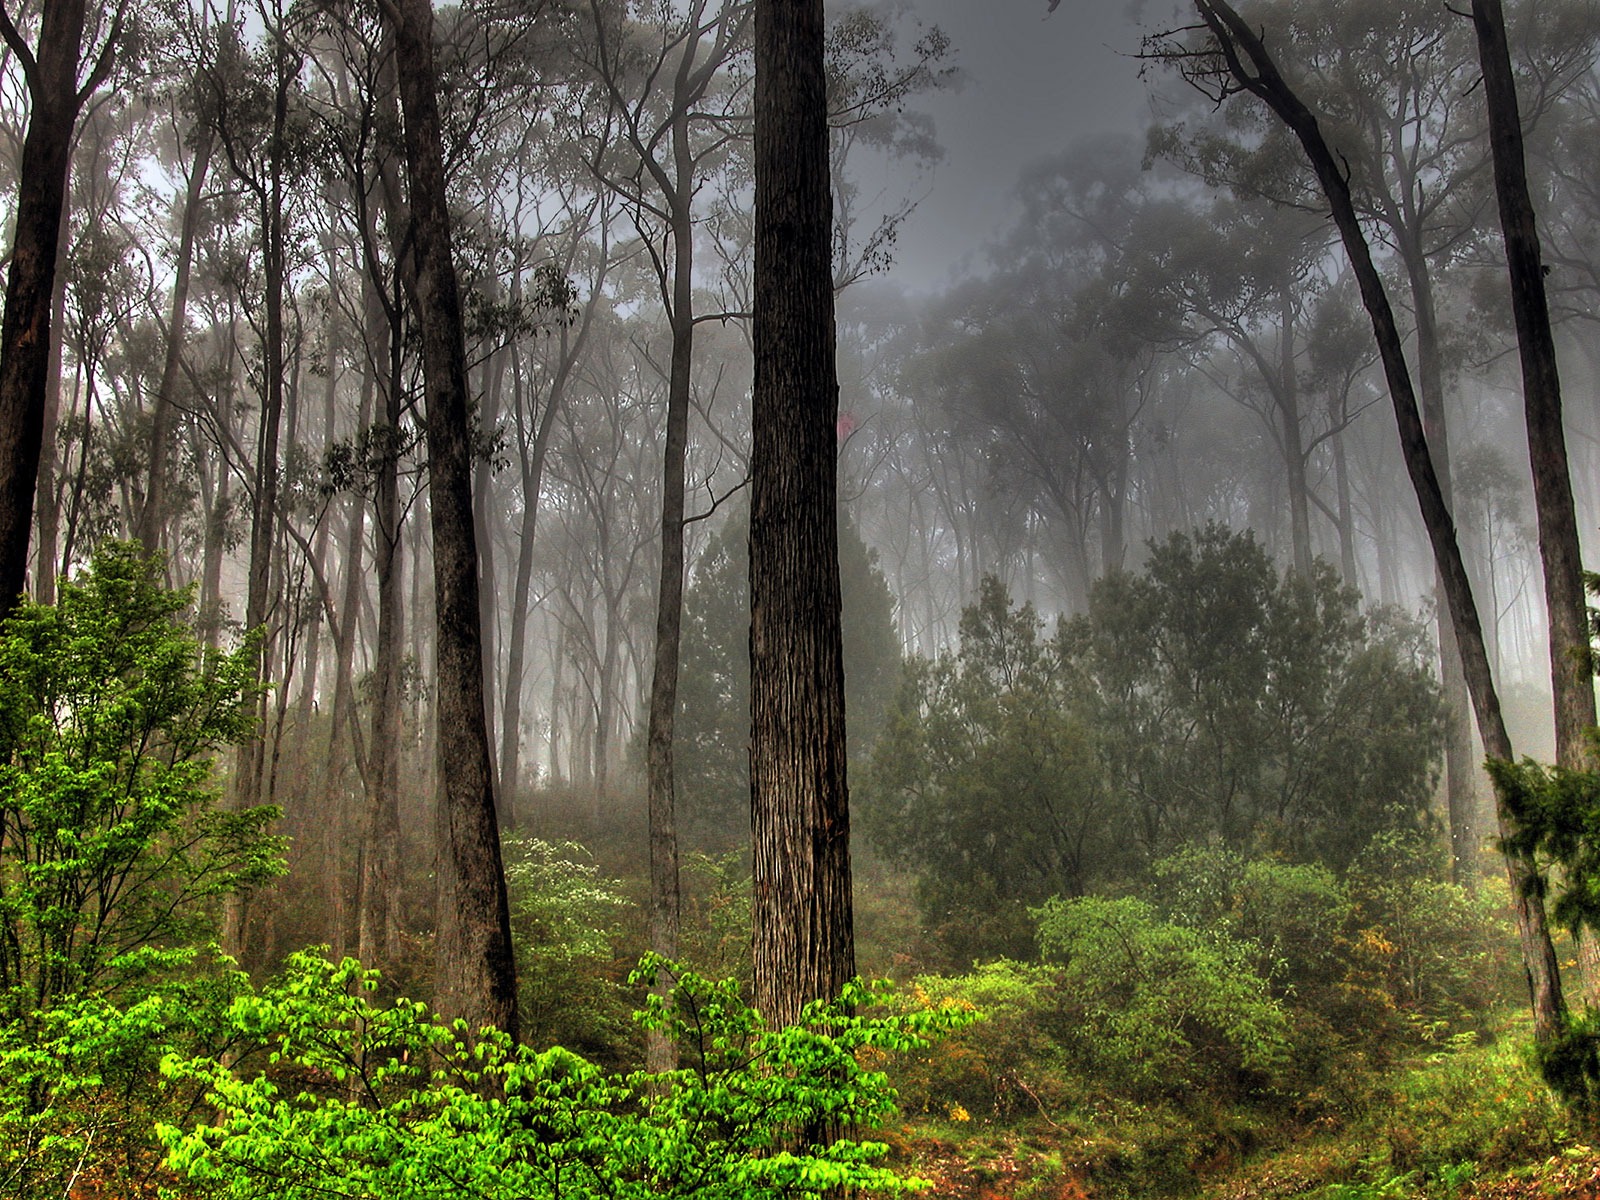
(1033, 82)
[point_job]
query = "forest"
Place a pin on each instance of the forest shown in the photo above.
(535, 664)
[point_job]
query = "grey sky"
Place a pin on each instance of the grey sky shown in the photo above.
(1034, 84)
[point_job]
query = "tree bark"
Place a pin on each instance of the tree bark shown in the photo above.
(378, 896)
(476, 975)
(803, 936)
(1571, 665)
(1238, 42)
(1571, 671)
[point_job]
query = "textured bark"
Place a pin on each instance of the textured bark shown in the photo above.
(1571, 665)
(1260, 77)
(56, 98)
(1571, 671)
(476, 976)
(660, 771)
(804, 941)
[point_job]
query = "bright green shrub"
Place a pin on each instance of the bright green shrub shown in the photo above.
(80, 1086)
(1157, 1008)
(114, 863)
(111, 846)
(348, 1098)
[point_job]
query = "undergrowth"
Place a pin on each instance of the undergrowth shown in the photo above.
(1469, 1116)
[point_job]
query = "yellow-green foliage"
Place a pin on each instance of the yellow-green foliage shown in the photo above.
(345, 1097)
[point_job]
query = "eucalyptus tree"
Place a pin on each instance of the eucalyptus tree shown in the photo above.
(1226, 56)
(804, 938)
(678, 106)
(68, 61)
(192, 145)
(250, 96)
(476, 972)
(1566, 604)
(1394, 86)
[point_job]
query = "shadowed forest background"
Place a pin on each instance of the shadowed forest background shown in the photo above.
(1167, 809)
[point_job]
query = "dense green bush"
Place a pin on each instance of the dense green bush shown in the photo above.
(80, 1086)
(1008, 1065)
(112, 849)
(114, 862)
(1159, 1009)
(987, 783)
(1207, 700)
(1259, 709)
(345, 1097)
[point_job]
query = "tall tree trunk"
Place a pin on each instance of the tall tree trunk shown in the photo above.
(1347, 523)
(533, 454)
(153, 515)
(1571, 673)
(56, 98)
(1459, 769)
(344, 730)
(378, 894)
(250, 760)
(217, 511)
(476, 977)
(1294, 455)
(1571, 666)
(804, 942)
(1261, 78)
(660, 782)
(493, 380)
(48, 515)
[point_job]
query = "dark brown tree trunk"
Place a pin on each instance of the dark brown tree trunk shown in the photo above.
(251, 759)
(803, 934)
(1260, 76)
(56, 98)
(660, 784)
(476, 975)
(1571, 672)
(1571, 665)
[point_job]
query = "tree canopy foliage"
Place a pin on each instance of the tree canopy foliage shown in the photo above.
(1205, 699)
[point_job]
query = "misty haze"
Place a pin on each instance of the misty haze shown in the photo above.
(622, 599)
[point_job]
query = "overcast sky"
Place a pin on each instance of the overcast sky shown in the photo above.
(1034, 83)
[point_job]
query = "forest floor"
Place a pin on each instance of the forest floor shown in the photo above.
(1470, 1123)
